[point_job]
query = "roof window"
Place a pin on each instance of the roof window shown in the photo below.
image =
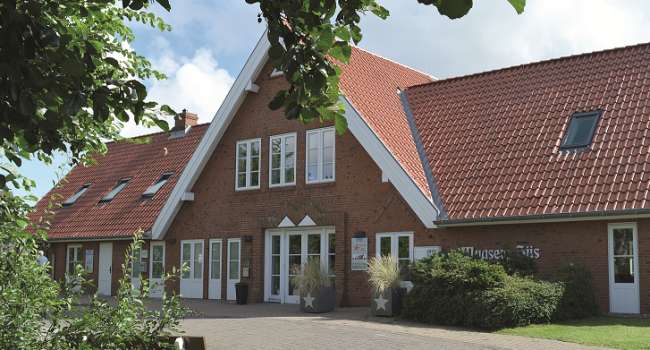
(120, 185)
(581, 130)
(151, 191)
(76, 195)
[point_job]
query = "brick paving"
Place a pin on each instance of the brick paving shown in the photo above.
(275, 326)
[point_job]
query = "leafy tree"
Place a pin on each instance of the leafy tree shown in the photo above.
(305, 35)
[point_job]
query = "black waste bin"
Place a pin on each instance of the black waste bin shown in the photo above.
(241, 291)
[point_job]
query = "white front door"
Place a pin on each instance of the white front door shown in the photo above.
(192, 257)
(73, 260)
(623, 267)
(234, 256)
(214, 284)
(135, 268)
(105, 268)
(289, 247)
(157, 269)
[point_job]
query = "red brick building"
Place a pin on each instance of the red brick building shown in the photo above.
(551, 158)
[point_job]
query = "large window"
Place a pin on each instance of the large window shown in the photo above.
(283, 160)
(248, 164)
(581, 130)
(320, 155)
(76, 195)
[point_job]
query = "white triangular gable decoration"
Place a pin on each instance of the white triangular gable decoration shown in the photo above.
(286, 222)
(307, 221)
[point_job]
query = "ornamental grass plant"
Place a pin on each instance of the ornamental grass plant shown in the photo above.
(312, 274)
(384, 273)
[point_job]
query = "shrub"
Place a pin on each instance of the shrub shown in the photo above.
(312, 274)
(384, 273)
(516, 263)
(579, 299)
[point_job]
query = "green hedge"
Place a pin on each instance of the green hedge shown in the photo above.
(579, 299)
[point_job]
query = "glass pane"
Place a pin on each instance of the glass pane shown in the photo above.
(241, 180)
(198, 250)
(289, 175)
(312, 173)
(580, 130)
(294, 260)
(295, 244)
(255, 179)
(241, 151)
(216, 251)
(328, 171)
(332, 262)
(288, 161)
(332, 243)
(255, 164)
(276, 161)
(255, 152)
(78, 256)
(234, 251)
(328, 138)
(186, 274)
(275, 285)
(71, 252)
(403, 250)
(313, 244)
(275, 177)
(275, 265)
(215, 273)
(328, 155)
(70, 266)
(624, 270)
(198, 269)
(234, 270)
(289, 143)
(312, 140)
(275, 145)
(275, 244)
(242, 166)
(312, 157)
(623, 241)
(157, 270)
(384, 247)
(187, 251)
(157, 253)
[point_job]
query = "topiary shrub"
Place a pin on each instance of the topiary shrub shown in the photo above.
(516, 263)
(579, 299)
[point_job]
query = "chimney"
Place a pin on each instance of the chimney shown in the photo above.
(184, 120)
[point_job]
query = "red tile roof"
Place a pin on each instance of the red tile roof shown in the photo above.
(492, 139)
(126, 213)
(370, 83)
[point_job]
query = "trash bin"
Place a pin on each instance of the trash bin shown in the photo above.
(241, 291)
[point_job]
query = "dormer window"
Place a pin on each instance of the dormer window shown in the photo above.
(76, 195)
(120, 185)
(151, 191)
(581, 130)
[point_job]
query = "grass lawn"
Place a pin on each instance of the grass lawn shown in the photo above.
(607, 331)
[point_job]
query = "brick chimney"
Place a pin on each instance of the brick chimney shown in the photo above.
(185, 119)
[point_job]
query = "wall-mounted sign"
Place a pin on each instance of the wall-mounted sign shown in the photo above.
(359, 254)
(490, 254)
(425, 252)
(90, 254)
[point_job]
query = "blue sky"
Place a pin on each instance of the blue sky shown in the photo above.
(212, 40)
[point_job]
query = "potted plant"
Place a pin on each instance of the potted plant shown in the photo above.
(316, 290)
(241, 293)
(385, 277)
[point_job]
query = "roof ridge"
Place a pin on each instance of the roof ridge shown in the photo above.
(394, 62)
(153, 133)
(528, 64)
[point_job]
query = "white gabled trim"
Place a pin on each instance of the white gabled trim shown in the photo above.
(390, 166)
(307, 221)
(212, 136)
(286, 222)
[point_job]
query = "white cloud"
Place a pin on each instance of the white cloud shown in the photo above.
(195, 84)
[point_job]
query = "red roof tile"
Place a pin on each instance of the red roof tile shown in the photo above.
(504, 127)
(126, 213)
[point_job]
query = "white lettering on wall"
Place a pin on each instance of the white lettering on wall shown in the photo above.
(491, 254)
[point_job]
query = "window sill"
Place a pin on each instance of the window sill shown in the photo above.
(247, 191)
(320, 184)
(282, 188)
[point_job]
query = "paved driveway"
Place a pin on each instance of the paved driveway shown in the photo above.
(275, 326)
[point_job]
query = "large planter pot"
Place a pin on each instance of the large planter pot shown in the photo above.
(241, 293)
(388, 303)
(317, 300)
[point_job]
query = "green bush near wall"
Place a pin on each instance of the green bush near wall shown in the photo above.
(455, 289)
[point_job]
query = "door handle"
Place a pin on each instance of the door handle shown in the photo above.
(110, 269)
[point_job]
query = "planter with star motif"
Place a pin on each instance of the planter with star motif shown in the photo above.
(315, 283)
(388, 302)
(386, 279)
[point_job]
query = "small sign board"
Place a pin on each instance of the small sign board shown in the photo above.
(359, 254)
(90, 254)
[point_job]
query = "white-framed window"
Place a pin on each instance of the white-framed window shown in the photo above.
(320, 155)
(399, 244)
(282, 160)
(74, 257)
(248, 164)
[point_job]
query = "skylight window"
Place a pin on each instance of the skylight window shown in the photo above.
(76, 195)
(120, 185)
(151, 191)
(581, 130)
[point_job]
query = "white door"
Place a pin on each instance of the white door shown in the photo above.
(192, 280)
(214, 283)
(135, 268)
(105, 268)
(73, 260)
(234, 255)
(157, 269)
(623, 267)
(399, 244)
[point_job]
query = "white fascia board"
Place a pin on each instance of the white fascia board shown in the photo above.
(399, 177)
(212, 136)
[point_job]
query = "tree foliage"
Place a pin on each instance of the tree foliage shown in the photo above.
(307, 35)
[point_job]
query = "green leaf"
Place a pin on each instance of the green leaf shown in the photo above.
(276, 51)
(326, 39)
(340, 124)
(341, 50)
(293, 111)
(518, 5)
(342, 33)
(278, 101)
(453, 8)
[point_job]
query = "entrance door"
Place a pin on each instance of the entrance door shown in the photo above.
(157, 269)
(105, 268)
(73, 261)
(214, 283)
(234, 255)
(623, 267)
(192, 280)
(135, 268)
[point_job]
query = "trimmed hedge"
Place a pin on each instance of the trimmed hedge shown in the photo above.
(579, 299)
(516, 263)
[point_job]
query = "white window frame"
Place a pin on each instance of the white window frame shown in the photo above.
(320, 132)
(249, 148)
(75, 246)
(394, 243)
(283, 158)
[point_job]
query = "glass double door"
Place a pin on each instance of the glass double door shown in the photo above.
(289, 248)
(192, 279)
